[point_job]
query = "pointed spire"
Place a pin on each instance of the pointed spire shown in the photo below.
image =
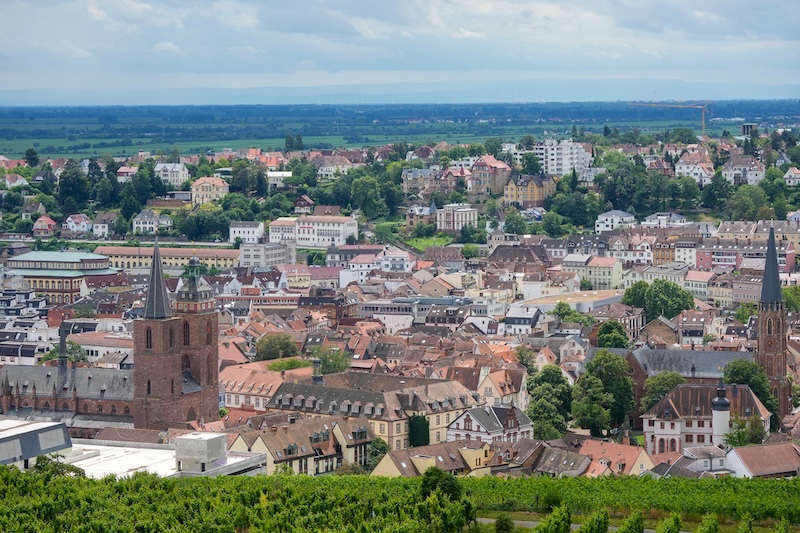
(771, 284)
(157, 304)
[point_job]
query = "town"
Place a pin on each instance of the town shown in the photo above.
(553, 307)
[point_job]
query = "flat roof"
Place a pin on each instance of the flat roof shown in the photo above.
(569, 297)
(10, 427)
(62, 257)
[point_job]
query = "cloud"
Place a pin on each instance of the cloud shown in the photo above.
(167, 48)
(236, 14)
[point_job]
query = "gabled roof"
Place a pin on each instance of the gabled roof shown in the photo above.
(770, 459)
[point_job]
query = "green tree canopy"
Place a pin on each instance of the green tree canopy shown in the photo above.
(635, 295)
(612, 334)
(418, 431)
(514, 223)
(666, 298)
(658, 386)
(613, 372)
(331, 360)
(746, 431)
(276, 346)
(744, 372)
(591, 405)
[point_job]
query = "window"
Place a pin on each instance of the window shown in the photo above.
(689, 438)
(701, 438)
(662, 425)
(186, 334)
(149, 390)
(148, 339)
(688, 423)
(171, 337)
(701, 423)
(651, 423)
(672, 425)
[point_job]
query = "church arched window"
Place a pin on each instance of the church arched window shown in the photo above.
(186, 338)
(208, 333)
(769, 326)
(148, 339)
(171, 337)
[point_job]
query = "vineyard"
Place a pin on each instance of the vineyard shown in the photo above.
(43, 502)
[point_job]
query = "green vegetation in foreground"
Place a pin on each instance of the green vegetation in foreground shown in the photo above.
(423, 243)
(288, 364)
(47, 502)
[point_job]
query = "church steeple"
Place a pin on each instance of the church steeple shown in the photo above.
(157, 304)
(771, 284)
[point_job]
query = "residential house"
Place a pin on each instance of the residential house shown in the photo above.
(611, 220)
(208, 189)
(125, 173)
(792, 177)
(32, 208)
(419, 214)
(524, 191)
(610, 458)
(451, 218)
(631, 318)
(696, 282)
(602, 272)
(780, 460)
(696, 165)
(331, 166)
(104, 224)
(172, 174)
(505, 387)
(304, 205)
(743, 170)
(457, 458)
(489, 177)
(78, 223)
(491, 423)
(44, 227)
(148, 222)
(247, 231)
(664, 220)
(15, 180)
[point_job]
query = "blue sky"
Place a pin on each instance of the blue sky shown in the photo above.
(246, 51)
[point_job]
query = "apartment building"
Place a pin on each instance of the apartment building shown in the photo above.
(451, 218)
(268, 254)
(172, 174)
(246, 231)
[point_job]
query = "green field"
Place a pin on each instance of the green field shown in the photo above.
(423, 243)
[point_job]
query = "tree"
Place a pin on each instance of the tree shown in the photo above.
(552, 224)
(745, 202)
(375, 452)
(586, 285)
(31, 157)
(636, 294)
(75, 353)
(591, 405)
(666, 298)
(331, 360)
(73, 188)
(744, 372)
(503, 523)
(469, 251)
(275, 347)
(612, 334)
(746, 431)
(129, 204)
(633, 524)
(551, 384)
(493, 146)
(366, 195)
(791, 295)
(657, 387)
(709, 524)
(548, 423)
(745, 311)
(613, 372)
(435, 479)
(597, 523)
(526, 357)
(745, 526)
(530, 164)
(418, 431)
(671, 524)
(514, 223)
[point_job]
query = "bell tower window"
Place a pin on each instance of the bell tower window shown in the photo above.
(186, 338)
(148, 339)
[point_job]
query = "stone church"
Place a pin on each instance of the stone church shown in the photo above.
(174, 379)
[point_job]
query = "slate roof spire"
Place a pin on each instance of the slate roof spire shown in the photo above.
(771, 284)
(157, 304)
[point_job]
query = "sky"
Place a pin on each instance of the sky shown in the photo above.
(348, 51)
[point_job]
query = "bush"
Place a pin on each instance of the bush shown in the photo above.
(671, 524)
(597, 523)
(503, 524)
(434, 478)
(633, 524)
(559, 521)
(709, 524)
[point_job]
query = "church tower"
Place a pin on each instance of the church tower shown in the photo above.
(773, 329)
(176, 376)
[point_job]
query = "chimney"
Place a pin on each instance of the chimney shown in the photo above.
(274, 429)
(285, 429)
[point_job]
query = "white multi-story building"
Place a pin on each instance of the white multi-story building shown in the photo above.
(247, 231)
(556, 157)
(174, 174)
(263, 255)
(696, 165)
(452, 217)
(696, 415)
(792, 177)
(491, 424)
(611, 220)
(664, 220)
(393, 259)
(149, 222)
(313, 231)
(275, 178)
(743, 170)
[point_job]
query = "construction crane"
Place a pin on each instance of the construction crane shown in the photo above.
(702, 109)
